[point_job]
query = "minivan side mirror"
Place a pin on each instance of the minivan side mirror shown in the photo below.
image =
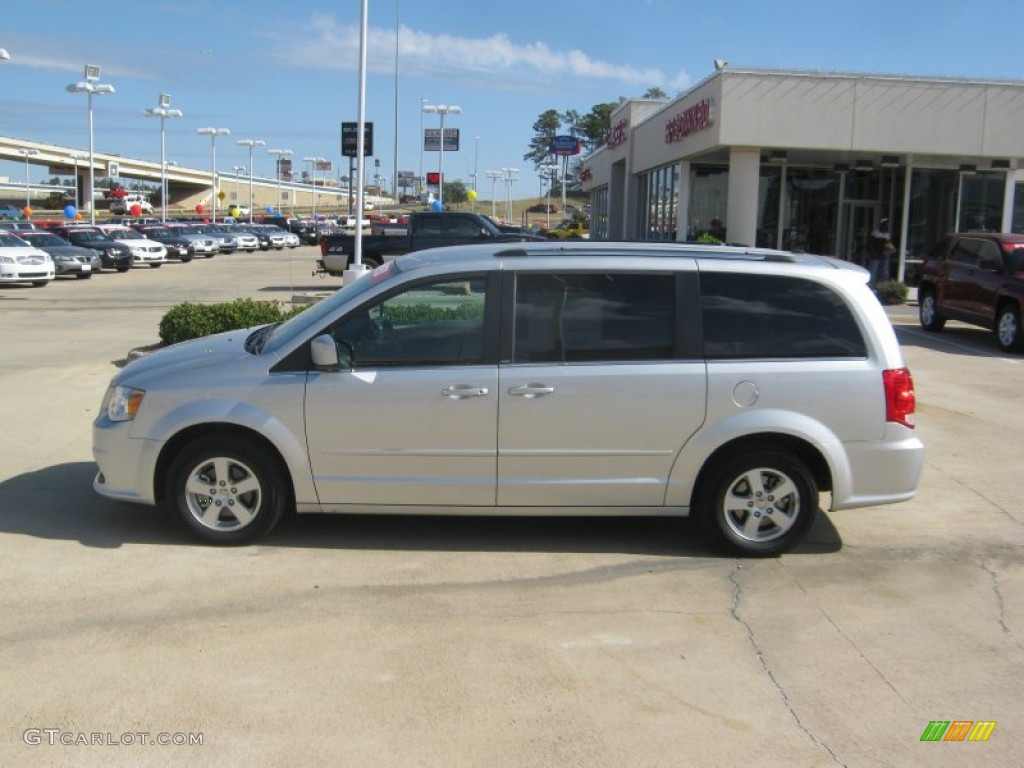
(327, 355)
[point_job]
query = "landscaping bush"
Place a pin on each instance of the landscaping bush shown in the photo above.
(191, 321)
(892, 292)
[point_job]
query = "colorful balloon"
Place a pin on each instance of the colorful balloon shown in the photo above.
(200, 208)
(135, 210)
(471, 195)
(436, 206)
(26, 212)
(69, 211)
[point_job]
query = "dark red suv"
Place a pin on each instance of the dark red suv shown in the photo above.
(977, 278)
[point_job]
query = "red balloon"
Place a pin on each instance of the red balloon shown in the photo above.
(135, 210)
(199, 208)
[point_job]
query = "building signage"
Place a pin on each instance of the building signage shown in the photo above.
(693, 119)
(432, 140)
(618, 135)
(350, 139)
(564, 146)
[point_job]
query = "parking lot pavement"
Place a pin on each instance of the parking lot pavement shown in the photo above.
(365, 641)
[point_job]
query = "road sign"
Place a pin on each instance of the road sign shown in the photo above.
(432, 140)
(350, 139)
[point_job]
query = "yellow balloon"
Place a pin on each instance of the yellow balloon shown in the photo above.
(471, 195)
(221, 195)
(235, 211)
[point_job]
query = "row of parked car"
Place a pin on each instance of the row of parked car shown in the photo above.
(37, 252)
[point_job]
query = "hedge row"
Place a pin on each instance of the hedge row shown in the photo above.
(191, 321)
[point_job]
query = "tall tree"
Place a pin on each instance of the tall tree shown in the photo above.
(655, 93)
(544, 130)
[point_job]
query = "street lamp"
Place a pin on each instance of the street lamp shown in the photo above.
(89, 86)
(237, 169)
(163, 111)
(441, 110)
(75, 157)
(280, 154)
(494, 176)
(312, 175)
(551, 173)
(213, 133)
(510, 177)
(419, 186)
(27, 153)
(250, 143)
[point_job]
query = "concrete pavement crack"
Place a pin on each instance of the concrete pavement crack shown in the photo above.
(1000, 614)
(737, 593)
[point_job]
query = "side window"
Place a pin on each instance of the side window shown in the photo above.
(988, 254)
(966, 252)
(428, 225)
(464, 229)
(572, 317)
(429, 324)
(769, 316)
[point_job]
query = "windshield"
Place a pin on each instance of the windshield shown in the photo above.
(43, 238)
(303, 322)
(11, 240)
(88, 237)
(125, 234)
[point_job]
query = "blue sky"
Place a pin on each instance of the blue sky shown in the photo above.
(287, 72)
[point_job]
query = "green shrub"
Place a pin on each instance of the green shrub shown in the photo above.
(892, 292)
(191, 321)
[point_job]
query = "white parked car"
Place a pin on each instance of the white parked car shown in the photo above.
(23, 263)
(145, 251)
(125, 204)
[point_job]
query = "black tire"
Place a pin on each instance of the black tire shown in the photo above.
(123, 269)
(186, 259)
(156, 265)
(928, 312)
(253, 493)
(758, 504)
(1007, 329)
(372, 260)
(83, 275)
(210, 255)
(39, 283)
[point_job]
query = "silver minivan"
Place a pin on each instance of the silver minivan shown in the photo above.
(744, 386)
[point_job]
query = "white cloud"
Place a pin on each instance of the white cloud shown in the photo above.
(334, 45)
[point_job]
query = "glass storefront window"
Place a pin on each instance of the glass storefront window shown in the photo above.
(812, 208)
(709, 196)
(599, 214)
(1017, 225)
(932, 209)
(981, 201)
(658, 201)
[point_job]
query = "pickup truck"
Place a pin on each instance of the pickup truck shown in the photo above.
(426, 229)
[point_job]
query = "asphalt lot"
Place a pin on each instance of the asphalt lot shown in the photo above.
(364, 641)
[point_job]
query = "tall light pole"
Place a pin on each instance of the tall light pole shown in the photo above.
(551, 173)
(510, 177)
(238, 169)
(419, 185)
(163, 111)
(91, 87)
(75, 157)
(213, 133)
(441, 110)
(279, 155)
(494, 176)
(250, 143)
(27, 153)
(312, 176)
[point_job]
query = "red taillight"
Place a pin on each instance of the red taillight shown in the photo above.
(323, 246)
(900, 401)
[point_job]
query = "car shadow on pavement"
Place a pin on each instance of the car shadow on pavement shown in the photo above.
(953, 340)
(58, 502)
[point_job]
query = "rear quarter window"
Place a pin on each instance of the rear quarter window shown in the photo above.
(771, 316)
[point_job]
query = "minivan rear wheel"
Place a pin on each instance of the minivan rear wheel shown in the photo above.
(928, 312)
(226, 491)
(758, 504)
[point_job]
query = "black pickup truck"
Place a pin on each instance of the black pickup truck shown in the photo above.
(426, 229)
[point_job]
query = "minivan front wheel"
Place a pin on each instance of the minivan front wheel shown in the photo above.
(759, 503)
(1008, 334)
(226, 491)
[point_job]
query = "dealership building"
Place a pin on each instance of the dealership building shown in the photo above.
(813, 161)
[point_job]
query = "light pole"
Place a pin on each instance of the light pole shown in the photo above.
(213, 133)
(250, 143)
(91, 87)
(419, 185)
(163, 111)
(494, 176)
(551, 175)
(238, 169)
(75, 157)
(510, 178)
(27, 153)
(441, 110)
(279, 154)
(312, 177)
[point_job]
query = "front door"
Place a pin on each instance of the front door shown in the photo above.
(415, 420)
(858, 223)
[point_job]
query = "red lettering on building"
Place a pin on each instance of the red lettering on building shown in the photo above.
(617, 135)
(691, 120)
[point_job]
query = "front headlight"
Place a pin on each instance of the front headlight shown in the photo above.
(122, 403)
(7, 260)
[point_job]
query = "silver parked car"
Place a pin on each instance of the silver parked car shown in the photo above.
(537, 378)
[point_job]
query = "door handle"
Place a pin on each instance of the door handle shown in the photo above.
(531, 390)
(462, 391)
